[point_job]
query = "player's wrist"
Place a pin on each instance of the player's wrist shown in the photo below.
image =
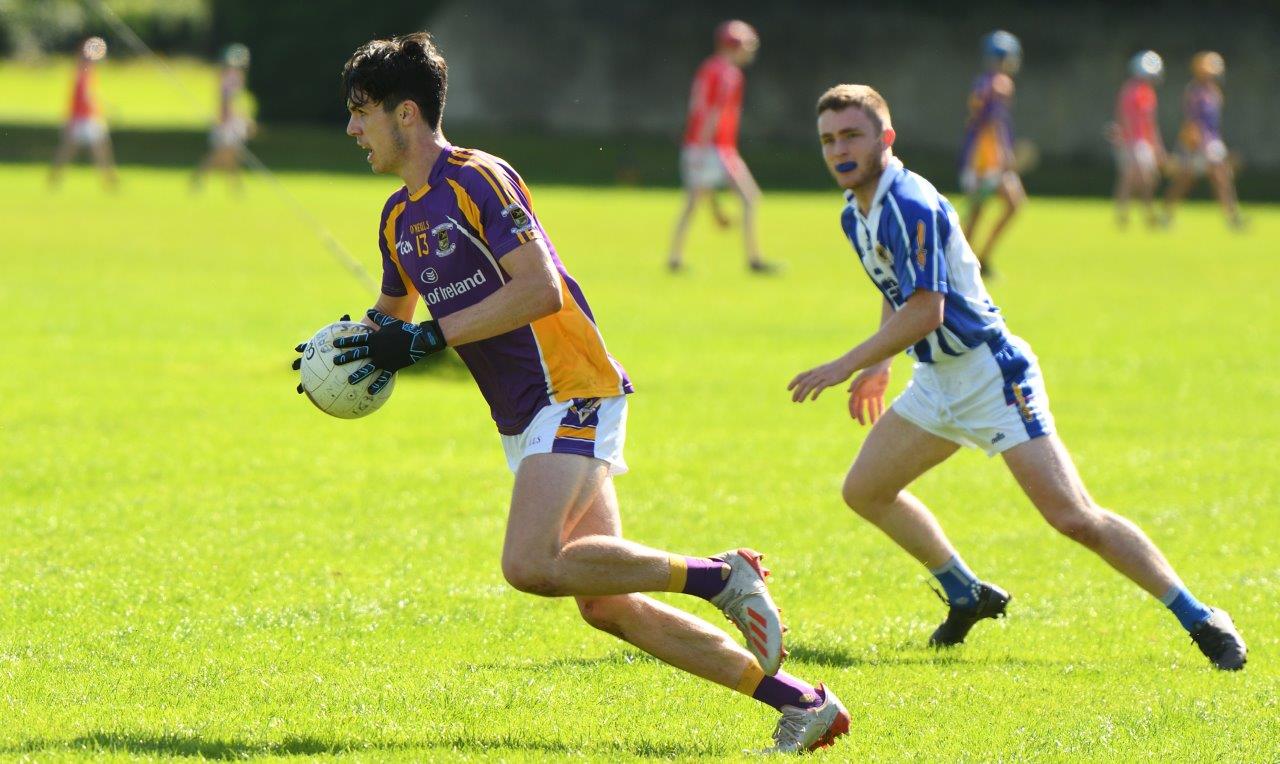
(430, 337)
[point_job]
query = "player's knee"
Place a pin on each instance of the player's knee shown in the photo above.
(605, 613)
(531, 577)
(863, 497)
(1080, 523)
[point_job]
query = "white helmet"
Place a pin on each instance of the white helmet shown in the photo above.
(1147, 64)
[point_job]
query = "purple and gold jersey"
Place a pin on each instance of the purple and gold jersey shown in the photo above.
(1201, 115)
(446, 240)
(988, 134)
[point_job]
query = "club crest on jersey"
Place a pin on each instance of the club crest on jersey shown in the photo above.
(444, 242)
(1023, 402)
(883, 253)
(920, 248)
(583, 408)
(520, 221)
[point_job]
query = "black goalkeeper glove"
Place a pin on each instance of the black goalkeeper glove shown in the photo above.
(302, 347)
(391, 348)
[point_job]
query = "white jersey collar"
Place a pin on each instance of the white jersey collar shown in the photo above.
(890, 174)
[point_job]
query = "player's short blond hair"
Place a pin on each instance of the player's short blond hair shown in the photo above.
(865, 97)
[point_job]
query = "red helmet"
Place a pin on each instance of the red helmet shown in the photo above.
(736, 33)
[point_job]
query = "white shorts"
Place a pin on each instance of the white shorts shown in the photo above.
(88, 132)
(229, 134)
(1212, 153)
(595, 427)
(1140, 154)
(986, 183)
(706, 166)
(992, 397)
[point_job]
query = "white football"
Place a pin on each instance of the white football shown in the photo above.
(326, 385)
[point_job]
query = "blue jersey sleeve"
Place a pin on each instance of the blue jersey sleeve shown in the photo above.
(919, 249)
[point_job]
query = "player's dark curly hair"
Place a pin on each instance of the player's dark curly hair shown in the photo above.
(390, 72)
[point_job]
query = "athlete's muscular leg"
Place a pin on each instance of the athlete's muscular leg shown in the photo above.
(1014, 196)
(1124, 189)
(1178, 189)
(65, 152)
(1148, 177)
(1224, 188)
(691, 198)
(1048, 476)
(550, 490)
(895, 453)
(744, 183)
(717, 211)
(973, 210)
(668, 634)
(105, 159)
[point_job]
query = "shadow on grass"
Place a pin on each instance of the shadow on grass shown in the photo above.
(194, 746)
(839, 657)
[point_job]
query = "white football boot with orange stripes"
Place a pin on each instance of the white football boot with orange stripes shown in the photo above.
(801, 730)
(746, 601)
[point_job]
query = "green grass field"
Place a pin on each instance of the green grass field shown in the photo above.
(136, 93)
(194, 562)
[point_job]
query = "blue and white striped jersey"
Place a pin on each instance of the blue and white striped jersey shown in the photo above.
(912, 240)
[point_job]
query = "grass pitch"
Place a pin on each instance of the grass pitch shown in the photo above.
(195, 562)
(132, 93)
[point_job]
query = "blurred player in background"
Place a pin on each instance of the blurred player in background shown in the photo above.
(85, 126)
(461, 233)
(974, 384)
(1202, 150)
(1139, 149)
(709, 158)
(987, 163)
(233, 128)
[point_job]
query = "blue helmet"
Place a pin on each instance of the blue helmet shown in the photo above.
(1001, 47)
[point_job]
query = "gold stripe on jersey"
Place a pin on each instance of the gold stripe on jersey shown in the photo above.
(574, 354)
(505, 193)
(498, 180)
(389, 235)
(416, 195)
(468, 207)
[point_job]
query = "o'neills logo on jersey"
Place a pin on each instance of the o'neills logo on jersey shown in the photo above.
(449, 291)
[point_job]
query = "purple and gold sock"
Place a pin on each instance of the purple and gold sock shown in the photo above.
(779, 690)
(700, 576)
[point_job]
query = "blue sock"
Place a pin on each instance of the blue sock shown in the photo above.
(957, 581)
(1189, 610)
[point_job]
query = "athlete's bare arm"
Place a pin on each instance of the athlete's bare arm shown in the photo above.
(866, 392)
(398, 307)
(921, 314)
(531, 292)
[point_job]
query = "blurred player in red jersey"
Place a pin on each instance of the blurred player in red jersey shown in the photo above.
(1202, 151)
(987, 163)
(233, 128)
(85, 125)
(709, 157)
(1139, 149)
